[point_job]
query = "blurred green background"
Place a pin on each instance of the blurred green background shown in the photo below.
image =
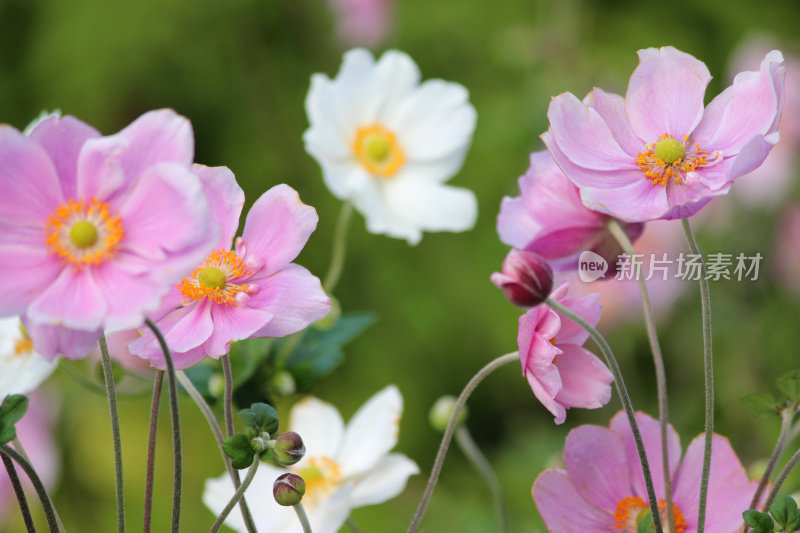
(239, 70)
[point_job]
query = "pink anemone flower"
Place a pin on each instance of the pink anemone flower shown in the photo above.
(252, 291)
(94, 230)
(549, 219)
(658, 153)
(560, 371)
(602, 488)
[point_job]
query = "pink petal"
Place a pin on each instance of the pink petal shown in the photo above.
(665, 93)
(225, 200)
(752, 155)
(100, 173)
(611, 108)
(564, 510)
(587, 307)
(586, 381)
(638, 202)
(73, 300)
(689, 197)
(293, 297)
(597, 466)
(515, 224)
(52, 341)
(651, 435)
(233, 324)
(587, 177)
(25, 272)
(127, 297)
(277, 227)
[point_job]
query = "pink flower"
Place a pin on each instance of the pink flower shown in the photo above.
(560, 371)
(94, 230)
(602, 489)
(526, 280)
(549, 219)
(252, 291)
(657, 153)
(362, 22)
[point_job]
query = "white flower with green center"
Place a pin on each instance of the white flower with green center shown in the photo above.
(343, 468)
(21, 368)
(387, 143)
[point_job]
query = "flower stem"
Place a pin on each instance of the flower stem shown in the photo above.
(115, 433)
(251, 473)
(176, 427)
(780, 445)
(151, 450)
(353, 526)
(661, 375)
(303, 517)
(781, 478)
(217, 431)
(47, 504)
(451, 428)
(20, 493)
(338, 250)
(622, 391)
(481, 464)
(708, 371)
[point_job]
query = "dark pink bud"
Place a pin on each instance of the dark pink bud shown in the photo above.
(288, 489)
(526, 280)
(289, 448)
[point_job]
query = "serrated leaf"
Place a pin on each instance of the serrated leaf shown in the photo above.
(261, 417)
(238, 448)
(789, 384)
(13, 408)
(761, 404)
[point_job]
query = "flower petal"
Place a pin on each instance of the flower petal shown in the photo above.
(233, 324)
(73, 300)
(588, 308)
(53, 341)
(225, 200)
(563, 509)
(430, 206)
(515, 224)
(586, 381)
(320, 425)
(638, 202)
(611, 108)
(25, 272)
(597, 465)
(385, 480)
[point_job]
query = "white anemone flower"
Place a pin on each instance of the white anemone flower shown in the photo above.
(21, 368)
(387, 143)
(344, 467)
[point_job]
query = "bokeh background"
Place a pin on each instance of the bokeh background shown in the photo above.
(239, 69)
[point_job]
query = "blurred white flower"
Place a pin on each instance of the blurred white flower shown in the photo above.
(387, 144)
(21, 368)
(344, 467)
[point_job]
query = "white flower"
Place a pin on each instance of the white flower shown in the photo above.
(21, 369)
(387, 144)
(343, 468)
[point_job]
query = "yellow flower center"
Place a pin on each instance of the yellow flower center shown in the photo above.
(83, 232)
(377, 149)
(631, 510)
(668, 158)
(23, 345)
(322, 476)
(669, 150)
(216, 279)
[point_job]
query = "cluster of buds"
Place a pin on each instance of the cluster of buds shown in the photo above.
(526, 280)
(257, 442)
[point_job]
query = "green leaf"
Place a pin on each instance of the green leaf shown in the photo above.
(794, 525)
(238, 448)
(7, 432)
(13, 408)
(789, 384)
(760, 522)
(646, 525)
(260, 416)
(761, 404)
(783, 509)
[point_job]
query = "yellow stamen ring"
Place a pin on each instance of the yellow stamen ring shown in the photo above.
(216, 279)
(377, 149)
(83, 232)
(669, 158)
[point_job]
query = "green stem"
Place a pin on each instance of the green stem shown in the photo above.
(661, 375)
(19, 493)
(353, 526)
(338, 250)
(708, 372)
(303, 517)
(622, 391)
(251, 473)
(177, 486)
(108, 375)
(21, 450)
(481, 464)
(151, 450)
(47, 503)
(781, 478)
(451, 428)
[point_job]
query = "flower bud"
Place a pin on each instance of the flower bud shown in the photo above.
(442, 410)
(289, 448)
(526, 280)
(282, 383)
(288, 489)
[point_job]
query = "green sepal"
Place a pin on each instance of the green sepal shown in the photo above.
(261, 417)
(267, 454)
(761, 404)
(238, 448)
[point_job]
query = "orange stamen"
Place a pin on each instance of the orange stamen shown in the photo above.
(108, 227)
(378, 150)
(231, 266)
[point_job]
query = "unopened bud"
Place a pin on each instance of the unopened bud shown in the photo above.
(442, 410)
(216, 385)
(282, 383)
(526, 279)
(288, 489)
(258, 444)
(289, 448)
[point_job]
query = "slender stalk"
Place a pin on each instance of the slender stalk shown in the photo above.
(113, 410)
(217, 431)
(451, 428)
(20, 493)
(303, 517)
(708, 371)
(175, 415)
(47, 503)
(339, 248)
(781, 478)
(21, 450)
(353, 526)
(780, 445)
(481, 464)
(661, 374)
(151, 450)
(622, 391)
(251, 473)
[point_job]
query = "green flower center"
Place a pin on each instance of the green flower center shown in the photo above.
(378, 149)
(670, 150)
(83, 234)
(212, 278)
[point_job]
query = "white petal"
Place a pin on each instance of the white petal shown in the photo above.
(395, 76)
(328, 517)
(386, 480)
(319, 424)
(372, 432)
(432, 207)
(19, 373)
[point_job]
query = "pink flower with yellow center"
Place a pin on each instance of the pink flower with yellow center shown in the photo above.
(602, 488)
(94, 230)
(658, 153)
(253, 290)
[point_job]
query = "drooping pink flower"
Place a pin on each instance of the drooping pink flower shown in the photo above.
(602, 488)
(94, 230)
(252, 291)
(549, 219)
(658, 153)
(560, 371)
(362, 22)
(526, 279)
